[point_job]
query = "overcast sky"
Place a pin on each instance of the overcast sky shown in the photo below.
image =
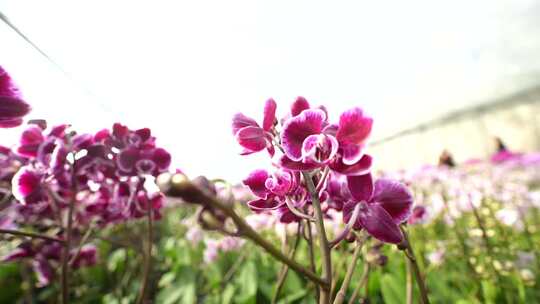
(184, 68)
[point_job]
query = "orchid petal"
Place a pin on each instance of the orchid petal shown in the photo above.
(269, 114)
(361, 187)
(299, 105)
(297, 129)
(394, 197)
(256, 181)
(240, 121)
(287, 163)
(262, 205)
(252, 139)
(319, 148)
(362, 167)
(354, 127)
(379, 224)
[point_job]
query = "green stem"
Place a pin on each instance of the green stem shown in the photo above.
(414, 266)
(31, 235)
(340, 296)
(363, 281)
(148, 257)
(324, 245)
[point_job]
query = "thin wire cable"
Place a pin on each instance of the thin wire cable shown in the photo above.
(85, 89)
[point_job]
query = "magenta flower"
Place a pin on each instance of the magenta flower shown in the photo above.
(250, 135)
(378, 207)
(12, 107)
(309, 142)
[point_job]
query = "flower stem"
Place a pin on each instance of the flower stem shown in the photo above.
(409, 287)
(285, 269)
(363, 281)
(312, 255)
(324, 246)
(148, 256)
(340, 296)
(190, 192)
(31, 235)
(414, 266)
(65, 254)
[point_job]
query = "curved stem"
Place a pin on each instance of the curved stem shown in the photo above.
(347, 228)
(31, 235)
(191, 193)
(414, 266)
(81, 244)
(297, 212)
(148, 257)
(322, 181)
(363, 281)
(324, 246)
(340, 296)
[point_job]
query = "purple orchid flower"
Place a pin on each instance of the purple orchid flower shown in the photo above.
(12, 107)
(378, 207)
(309, 142)
(250, 135)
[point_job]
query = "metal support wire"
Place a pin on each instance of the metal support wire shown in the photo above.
(85, 90)
(525, 96)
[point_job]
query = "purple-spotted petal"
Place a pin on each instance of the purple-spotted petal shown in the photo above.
(319, 148)
(379, 223)
(361, 187)
(252, 139)
(261, 205)
(361, 167)
(354, 127)
(269, 114)
(240, 121)
(287, 163)
(299, 105)
(298, 128)
(256, 181)
(394, 197)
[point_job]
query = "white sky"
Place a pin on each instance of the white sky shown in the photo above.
(183, 68)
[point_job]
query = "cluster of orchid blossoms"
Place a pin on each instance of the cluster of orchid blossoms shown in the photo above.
(498, 196)
(63, 186)
(321, 172)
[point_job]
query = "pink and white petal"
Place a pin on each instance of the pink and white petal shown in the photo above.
(361, 187)
(395, 198)
(26, 182)
(269, 114)
(252, 138)
(240, 121)
(299, 105)
(59, 130)
(351, 153)
(380, 224)
(297, 129)
(361, 167)
(286, 163)
(354, 127)
(256, 181)
(331, 130)
(319, 148)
